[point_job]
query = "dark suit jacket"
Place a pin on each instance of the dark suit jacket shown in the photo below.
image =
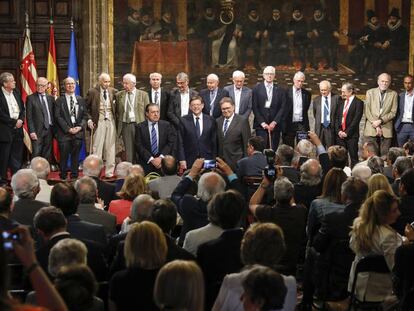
(335, 100)
(25, 209)
(306, 100)
(93, 102)
(164, 99)
(245, 99)
(106, 191)
(7, 224)
(190, 146)
(166, 140)
(404, 272)
(7, 124)
(400, 111)
(84, 230)
(205, 94)
(251, 166)
(232, 147)
(174, 106)
(277, 106)
(63, 121)
(95, 258)
(353, 117)
(34, 112)
(305, 194)
(407, 213)
(89, 213)
(291, 173)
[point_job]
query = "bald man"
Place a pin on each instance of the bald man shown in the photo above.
(212, 96)
(100, 102)
(40, 119)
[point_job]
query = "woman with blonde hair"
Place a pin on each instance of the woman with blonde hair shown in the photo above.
(133, 186)
(378, 182)
(145, 252)
(180, 287)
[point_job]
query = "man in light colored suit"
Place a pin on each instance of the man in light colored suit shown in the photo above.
(131, 105)
(404, 125)
(380, 110)
(241, 95)
(324, 112)
(233, 132)
(100, 102)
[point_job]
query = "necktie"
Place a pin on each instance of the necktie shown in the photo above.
(226, 124)
(211, 96)
(104, 95)
(154, 142)
(156, 97)
(72, 110)
(382, 99)
(269, 92)
(326, 113)
(198, 130)
(46, 114)
(344, 114)
(129, 107)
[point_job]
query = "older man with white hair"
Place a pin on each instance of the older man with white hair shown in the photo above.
(100, 101)
(25, 186)
(158, 95)
(41, 168)
(212, 95)
(131, 104)
(362, 172)
(241, 95)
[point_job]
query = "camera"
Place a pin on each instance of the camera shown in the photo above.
(270, 169)
(209, 164)
(8, 239)
(302, 135)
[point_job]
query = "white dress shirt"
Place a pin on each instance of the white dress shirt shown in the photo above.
(153, 97)
(200, 122)
(185, 102)
(297, 115)
(228, 125)
(408, 108)
(323, 107)
(14, 109)
(237, 96)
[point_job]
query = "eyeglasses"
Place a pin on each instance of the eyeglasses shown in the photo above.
(42, 85)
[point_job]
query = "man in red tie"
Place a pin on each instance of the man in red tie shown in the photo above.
(348, 117)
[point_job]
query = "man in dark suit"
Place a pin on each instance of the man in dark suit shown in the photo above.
(92, 167)
(179, 104)
(241, 95)
(233, 132)
(39, 115)
(154, 138)
(296, 113)
(11, 126)
(404, 122)
(212, 96)
(268, 108)
(284, 158)
(348, 117)
(197, 135)
(71, 116)
(158, 95)
(255, 162)
(324, 111)
(25, 186)
(100, 102)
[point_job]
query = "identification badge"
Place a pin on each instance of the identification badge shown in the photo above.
(73, 119)
(267, 104)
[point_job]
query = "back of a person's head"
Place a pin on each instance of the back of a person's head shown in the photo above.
(210, 184)
(305, 148)
(65, 197)
(402, 164)
(264, 288)
(141, 208)
(40, 167)
(332, 184)
(180, 286)
(25, 184)
(378, 182)
(122, 169)
(77, 286)
(145, 246)
(361, 172)
(354, 190)
(5, 200)
(164, 214)
(133, 186)
(169, 165)
(257, 142)
(226, 209)
(338, 156)
(311, 173)
(371, 147)
(393, 153)
(407, 181)
(49, 220)
(86, 188)
(284, 155)
(136, 169)
(409, 148)
(283, 190)
(376, 164)
(66, 252)
(264, 244)
(92, 165)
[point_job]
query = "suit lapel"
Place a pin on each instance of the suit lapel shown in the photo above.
(66, 109)
(232, 124)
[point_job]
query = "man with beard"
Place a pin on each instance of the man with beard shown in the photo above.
(324, 36)
(251, 36)
(298, 29)
(398, 37)
(279, 42)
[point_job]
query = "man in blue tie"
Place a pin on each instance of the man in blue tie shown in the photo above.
(212, 95)
(154, 139)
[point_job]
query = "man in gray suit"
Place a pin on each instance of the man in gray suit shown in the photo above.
(404, 126)
(324, 112)
(130, 105)
(241, 95)
(233, 132)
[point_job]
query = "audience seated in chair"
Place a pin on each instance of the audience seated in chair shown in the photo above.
(41, 168)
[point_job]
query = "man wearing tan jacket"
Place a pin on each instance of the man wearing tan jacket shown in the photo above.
(380, 110)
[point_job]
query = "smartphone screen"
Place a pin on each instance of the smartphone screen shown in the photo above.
(301, 135)
(209, 164)
(8, 239)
